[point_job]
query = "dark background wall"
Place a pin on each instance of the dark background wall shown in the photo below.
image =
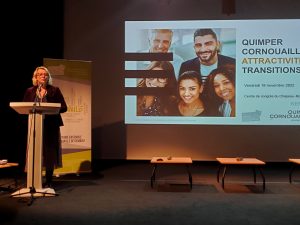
(30, 31)
(94, 30)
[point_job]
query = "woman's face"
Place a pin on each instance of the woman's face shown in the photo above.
(224, 88)
(42, 76)
(156, 82)
(189, 90)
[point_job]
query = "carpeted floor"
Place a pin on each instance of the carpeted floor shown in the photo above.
(121, 194)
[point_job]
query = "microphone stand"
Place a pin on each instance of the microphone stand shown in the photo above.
(32, 189)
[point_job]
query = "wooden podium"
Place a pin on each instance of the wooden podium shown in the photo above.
(36, 112)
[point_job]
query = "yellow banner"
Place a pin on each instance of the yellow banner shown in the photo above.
(73, 77)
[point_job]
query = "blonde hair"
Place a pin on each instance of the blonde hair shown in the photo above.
(49, 78)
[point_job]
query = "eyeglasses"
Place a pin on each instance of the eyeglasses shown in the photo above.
(160, 80)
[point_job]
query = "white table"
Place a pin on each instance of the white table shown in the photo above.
(171, 160)
(253, 162)
(9, 165)
(295, 163)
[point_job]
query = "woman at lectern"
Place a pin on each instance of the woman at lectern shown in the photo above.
(220, 91)
(43, 91)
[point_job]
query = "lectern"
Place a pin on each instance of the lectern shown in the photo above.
(36, 112)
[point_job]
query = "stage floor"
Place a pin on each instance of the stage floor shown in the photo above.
(121, 193)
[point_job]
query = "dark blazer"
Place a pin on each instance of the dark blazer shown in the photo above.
(54, 95)
(52, 151)
(194, 64)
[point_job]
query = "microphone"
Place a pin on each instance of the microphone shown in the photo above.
(39, 91)
(36, 99)
(39, 87)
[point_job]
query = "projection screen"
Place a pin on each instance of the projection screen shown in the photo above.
(266, 56)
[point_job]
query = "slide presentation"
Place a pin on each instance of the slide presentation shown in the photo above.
(249, 72)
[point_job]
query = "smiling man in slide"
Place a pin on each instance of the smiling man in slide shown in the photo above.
(207, 49)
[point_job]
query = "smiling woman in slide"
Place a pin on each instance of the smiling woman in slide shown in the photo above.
(220, 91)
(158, 104)
(190, 88)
